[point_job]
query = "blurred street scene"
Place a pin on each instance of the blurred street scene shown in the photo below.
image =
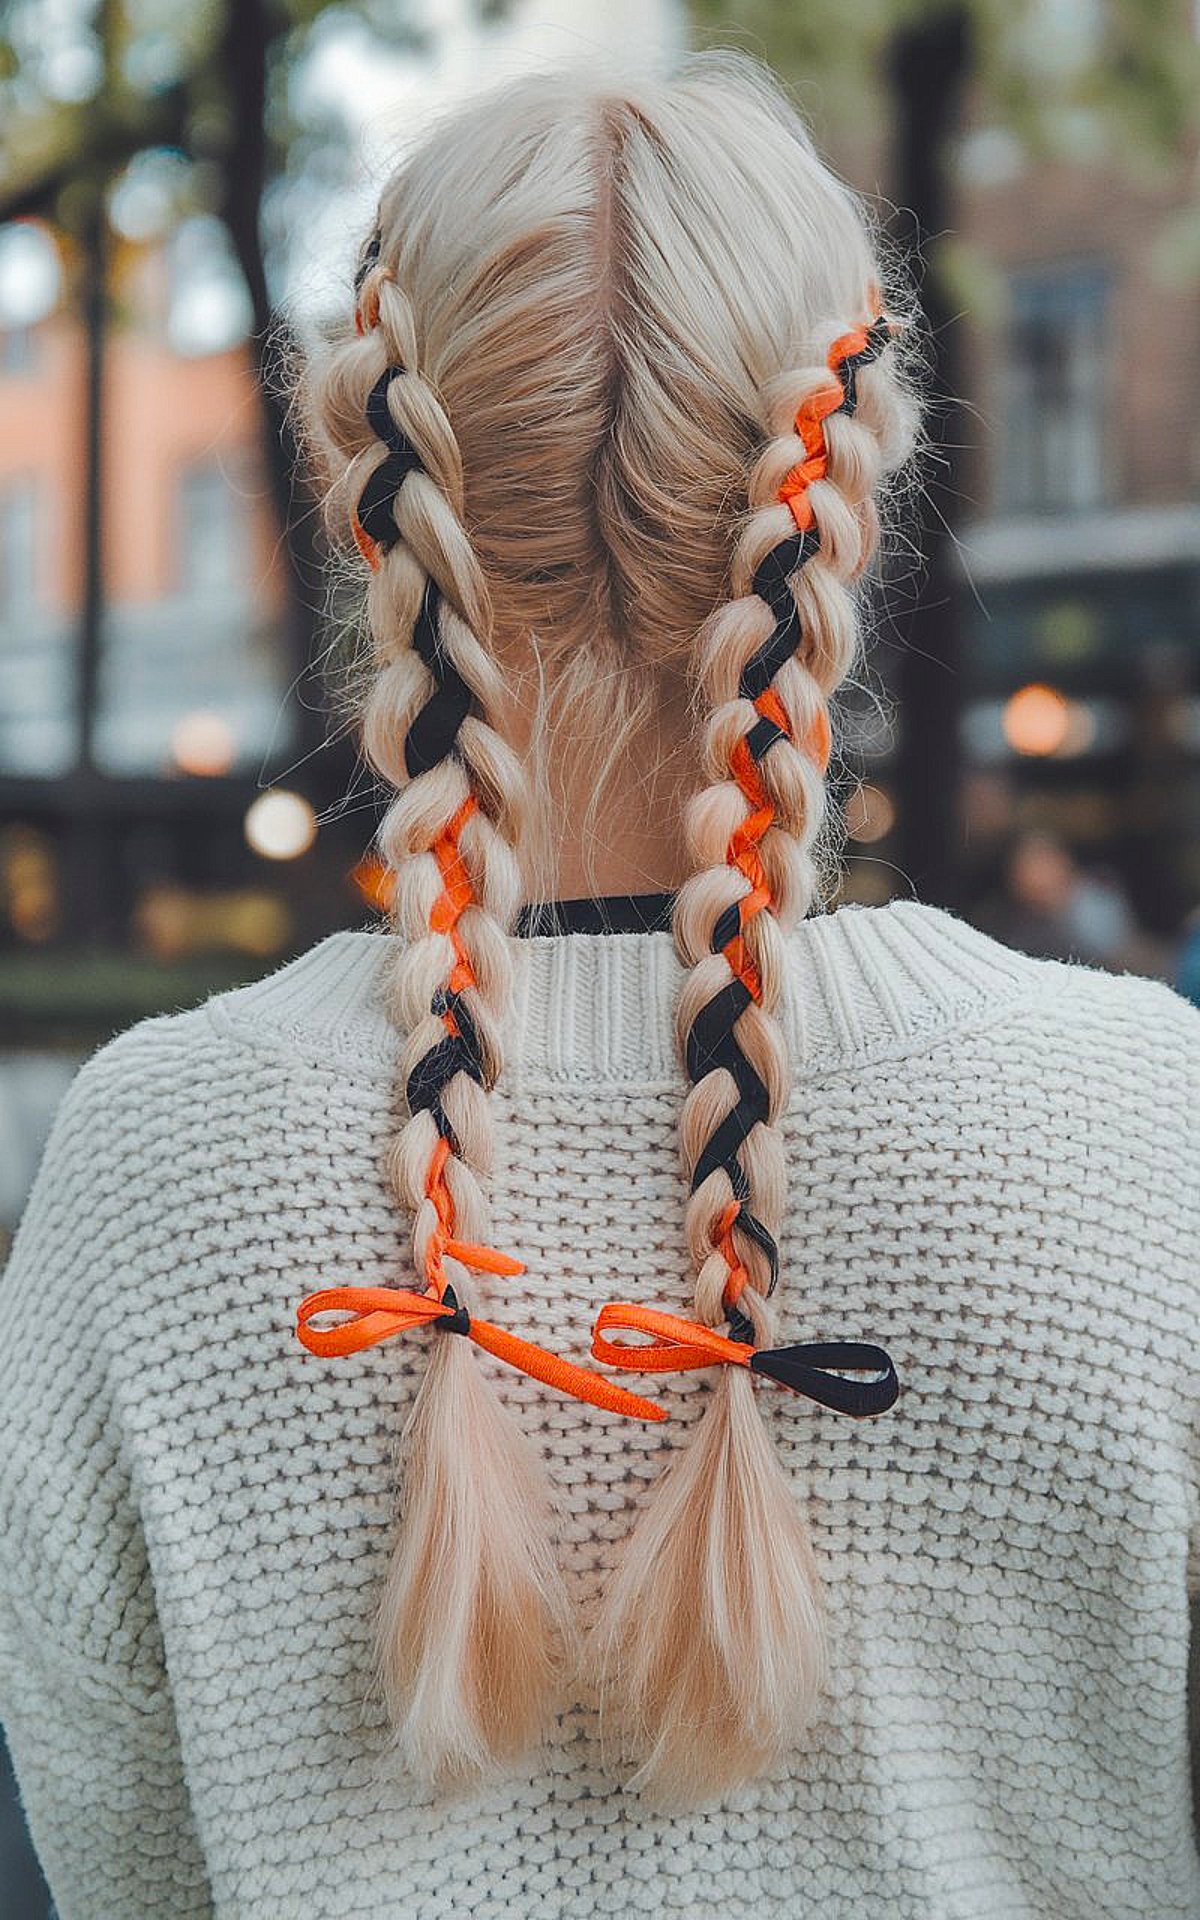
(182, 196)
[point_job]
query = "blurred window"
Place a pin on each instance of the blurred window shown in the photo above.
(208, 307)
(17, 351)
(1056, 381)
(37, 663)
(213, 526)
(18, 550)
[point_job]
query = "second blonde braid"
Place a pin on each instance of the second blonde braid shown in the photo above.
(714, 1622)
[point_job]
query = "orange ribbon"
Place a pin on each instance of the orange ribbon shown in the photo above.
(810, 423)
(379, 1312)
(681, 1343)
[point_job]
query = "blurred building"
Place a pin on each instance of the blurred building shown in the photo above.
(192, 589)
(1081, 547)
(144, 817)
(163, 823)
(158, 806)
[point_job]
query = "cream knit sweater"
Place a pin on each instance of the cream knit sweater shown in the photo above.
(995, 1173)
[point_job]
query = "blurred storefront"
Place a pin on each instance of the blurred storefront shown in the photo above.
(1082, 573)
(1063, 265)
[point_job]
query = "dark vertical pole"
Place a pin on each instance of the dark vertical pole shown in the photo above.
(88, 852)
(929, 65)
(244, 55)
(94, 293)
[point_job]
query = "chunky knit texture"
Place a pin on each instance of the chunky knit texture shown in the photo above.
(994, 1172)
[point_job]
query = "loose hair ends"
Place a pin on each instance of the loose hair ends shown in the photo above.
(709, 1650)
(473, 1633)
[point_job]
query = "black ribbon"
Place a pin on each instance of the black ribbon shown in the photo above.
(807, 1368)
(460, 1052)
(432, 735)
(430, 739)
(712, 1041)
(376, 505)
(458, 1320)
(434, 731)
(772, 576)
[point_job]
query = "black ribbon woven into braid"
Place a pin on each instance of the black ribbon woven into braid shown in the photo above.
(378, 497)
(459, 1052)
(368, 258)
(431, 738)
(434, 731)
(712, 1041)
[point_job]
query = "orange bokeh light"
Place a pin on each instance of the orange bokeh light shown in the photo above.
(203, 743)
(1037, 719)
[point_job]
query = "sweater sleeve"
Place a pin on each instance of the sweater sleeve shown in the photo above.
(85, 1697)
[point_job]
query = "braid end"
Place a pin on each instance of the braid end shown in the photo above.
(473, 1629)
(709, 1651)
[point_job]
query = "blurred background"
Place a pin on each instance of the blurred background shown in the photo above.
(182, 195)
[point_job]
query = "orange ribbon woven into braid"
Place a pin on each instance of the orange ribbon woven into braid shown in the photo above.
(723, 1541)
(712, 1040)
(471, 1642)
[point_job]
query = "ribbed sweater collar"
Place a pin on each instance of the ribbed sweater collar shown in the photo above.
(867, 983)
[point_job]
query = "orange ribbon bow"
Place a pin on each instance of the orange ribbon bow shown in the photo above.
(379, 1312)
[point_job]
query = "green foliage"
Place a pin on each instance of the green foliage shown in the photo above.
(1132, 66)
(82, 96)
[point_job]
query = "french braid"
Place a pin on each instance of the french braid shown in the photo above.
(472, 1628)
(714, 1623)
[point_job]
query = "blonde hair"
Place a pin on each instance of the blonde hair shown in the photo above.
(592, 314)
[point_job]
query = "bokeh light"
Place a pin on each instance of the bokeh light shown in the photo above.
(1037, 719)
(203, 743)
(30, 273)
(280, 825)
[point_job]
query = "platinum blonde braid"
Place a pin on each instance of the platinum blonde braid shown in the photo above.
(603, 285)
(710, 1643)
(473, 1627)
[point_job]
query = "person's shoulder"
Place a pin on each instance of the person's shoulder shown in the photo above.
(325, 1007)
(1132, 1035)
(885, 979)
(287, 1009)
(144, 1086)
(1130, 1002)
(114, 1096)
